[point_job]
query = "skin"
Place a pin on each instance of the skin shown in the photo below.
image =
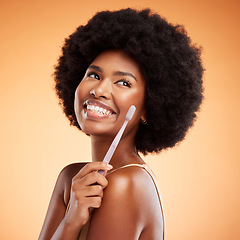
(125, 202)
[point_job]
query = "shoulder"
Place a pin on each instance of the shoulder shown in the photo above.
(71, 170)
(65, 178)
(126, 178)
(133, 181)
(120, 208)
(135, 185)
(59, 200)
(134, 188)
(126, 205)
(138, 189)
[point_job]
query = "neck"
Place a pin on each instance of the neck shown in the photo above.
(125, 152)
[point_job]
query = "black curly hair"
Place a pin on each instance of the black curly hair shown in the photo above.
(170, 63)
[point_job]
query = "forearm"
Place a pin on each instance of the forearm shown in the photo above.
(84, 195)
(66, 231)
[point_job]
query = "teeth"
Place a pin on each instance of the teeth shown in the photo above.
(98, 110)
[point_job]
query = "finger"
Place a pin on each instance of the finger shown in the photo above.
(93, 166)
(94, 202)
(95, 190)
(94, 178)
(92, 191)
(91, 179)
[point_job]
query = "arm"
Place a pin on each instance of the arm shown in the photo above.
(83, 196)
(120, 216)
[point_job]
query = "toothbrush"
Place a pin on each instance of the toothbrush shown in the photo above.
(116, 140)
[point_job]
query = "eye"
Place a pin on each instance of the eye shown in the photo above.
(124, 83)
(93, 75)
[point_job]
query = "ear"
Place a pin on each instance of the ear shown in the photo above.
(143, 118)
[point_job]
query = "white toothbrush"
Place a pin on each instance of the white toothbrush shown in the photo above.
(116, 140)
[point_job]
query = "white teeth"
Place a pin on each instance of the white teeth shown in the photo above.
(98, 109)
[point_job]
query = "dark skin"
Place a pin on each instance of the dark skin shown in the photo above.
(125, 201)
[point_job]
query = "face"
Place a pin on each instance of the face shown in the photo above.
(112, 83)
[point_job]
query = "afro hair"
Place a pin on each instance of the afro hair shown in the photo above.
(169, 61)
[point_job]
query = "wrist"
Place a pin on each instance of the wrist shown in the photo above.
(72, 225)
(66, 230)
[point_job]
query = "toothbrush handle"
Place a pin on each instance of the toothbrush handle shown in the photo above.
(117, 138)
(113, 146)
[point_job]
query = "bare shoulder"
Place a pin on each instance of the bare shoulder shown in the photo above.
(135, 185)
(66, 176)
(59, 200)
(127, 178)
(69, 171)
(128, 206)
(133, 181)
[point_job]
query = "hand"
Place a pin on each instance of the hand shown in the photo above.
(86, 192)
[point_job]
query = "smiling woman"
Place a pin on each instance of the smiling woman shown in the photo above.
(120, 59)
(112, 84)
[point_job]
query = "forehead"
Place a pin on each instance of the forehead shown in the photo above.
(117, 60)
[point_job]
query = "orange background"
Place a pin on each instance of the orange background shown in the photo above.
(199, 179)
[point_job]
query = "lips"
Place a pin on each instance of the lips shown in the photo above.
(98, 109)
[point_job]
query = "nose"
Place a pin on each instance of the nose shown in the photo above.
(102, 89)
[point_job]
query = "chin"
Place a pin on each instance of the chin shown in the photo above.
(98, 129)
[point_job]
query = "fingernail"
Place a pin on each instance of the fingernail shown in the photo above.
(109, 166)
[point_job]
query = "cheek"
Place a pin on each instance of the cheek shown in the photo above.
(79, 96)
(138, 102)
(76, 103)
(136, 98)
(80, 92)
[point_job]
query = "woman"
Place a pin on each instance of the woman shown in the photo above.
(120, 59)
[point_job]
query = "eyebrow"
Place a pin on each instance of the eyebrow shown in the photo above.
(96, 68)
(117, 73)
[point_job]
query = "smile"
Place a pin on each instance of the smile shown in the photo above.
(98, 108)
